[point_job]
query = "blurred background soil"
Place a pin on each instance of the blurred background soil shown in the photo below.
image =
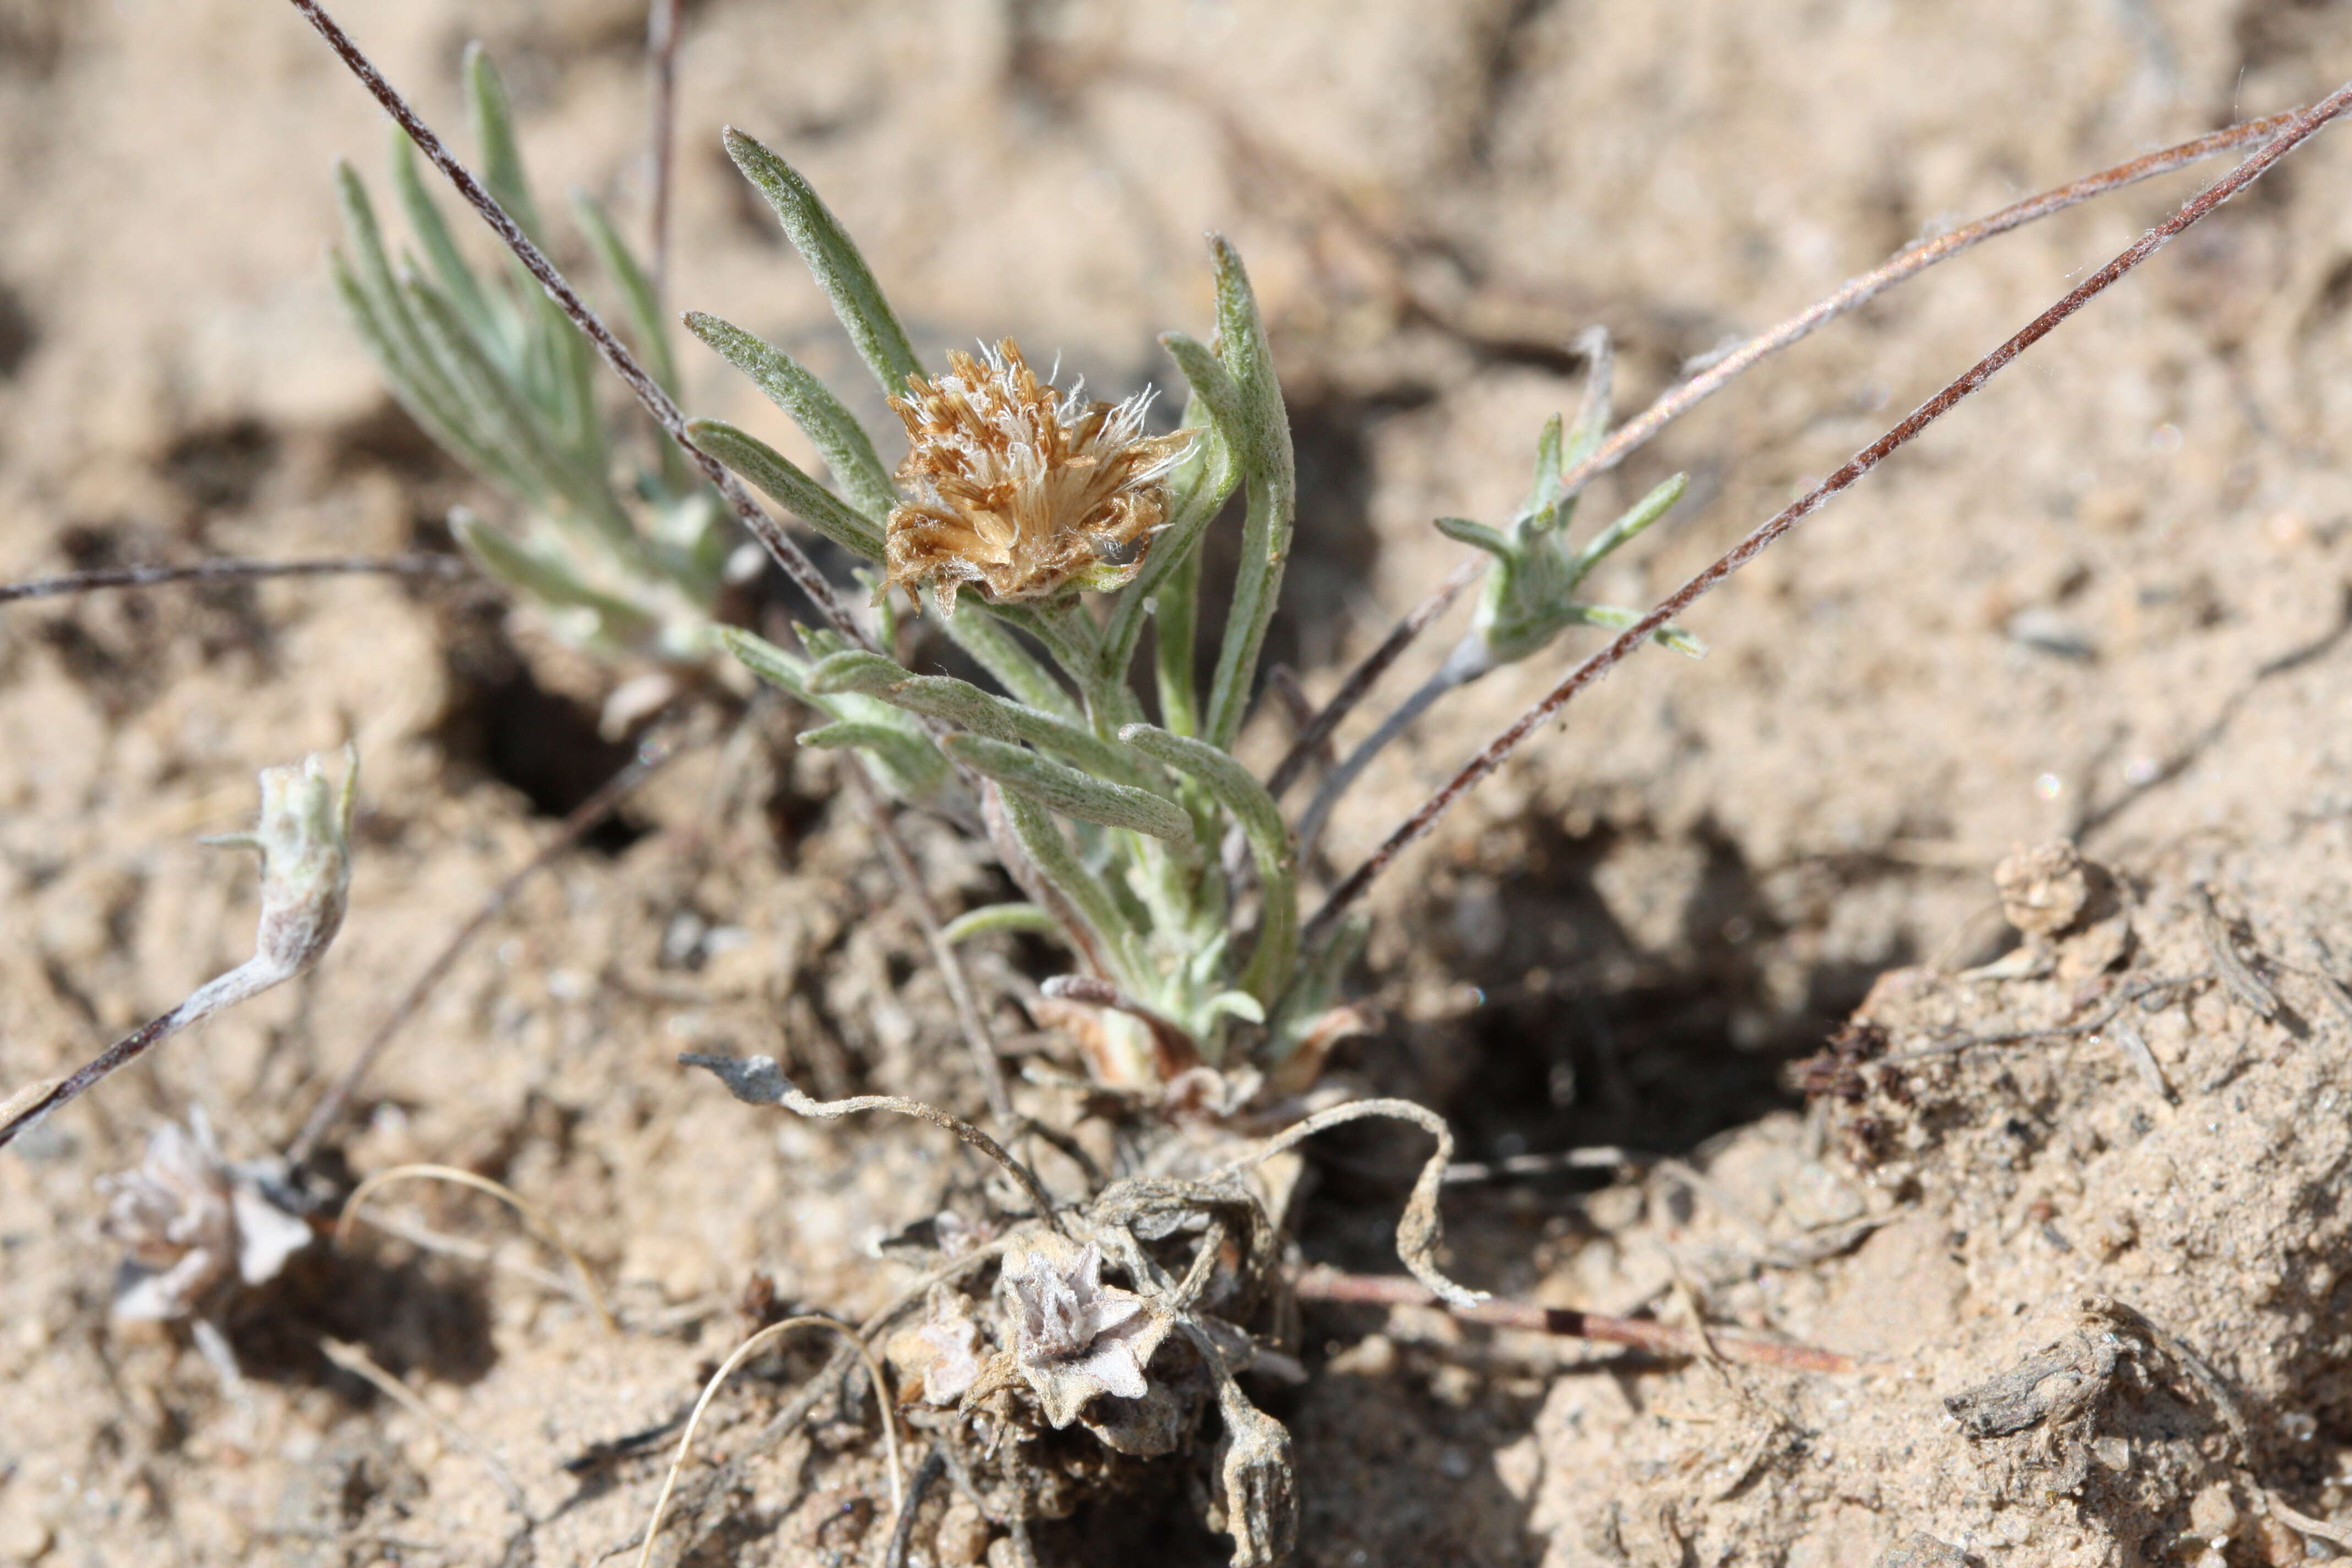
(2105, 600)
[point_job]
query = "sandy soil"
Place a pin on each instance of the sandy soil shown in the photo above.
(2104, 603)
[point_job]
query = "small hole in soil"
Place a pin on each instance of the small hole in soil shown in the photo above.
(513, 729)
(221, 467)
(18, 332)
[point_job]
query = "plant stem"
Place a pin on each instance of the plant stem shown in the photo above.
(1468, 661)
(1323, 1283)
(417, 565)
(1499, 749)
(661, 50)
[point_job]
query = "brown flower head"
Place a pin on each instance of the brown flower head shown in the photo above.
(1075, 1337)
(1022, 488)
(192, 1224)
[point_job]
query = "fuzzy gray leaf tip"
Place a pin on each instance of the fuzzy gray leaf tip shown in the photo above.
(754, 1080)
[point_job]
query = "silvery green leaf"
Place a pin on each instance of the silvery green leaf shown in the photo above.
(917, 769)
(855, 670)
(1015, 917)
(458, 280)
(1040, 839)
(1637, 517)
(1611, 617)
(1270, 481)
(513, 424)
(493, 117)
(547, 579)
(1234, 787)
(789, 487)
(834, 261)
(961, 704)
(1478, 536)
(638, 303)
(831, 429)
(980, 630)
(1065, 789)
(765, 660)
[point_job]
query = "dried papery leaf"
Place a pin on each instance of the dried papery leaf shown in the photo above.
(945, 1350)
(1020, 488)
(1259, 1477)
(192, 1226)
(759, 1080)
(1417, 1228)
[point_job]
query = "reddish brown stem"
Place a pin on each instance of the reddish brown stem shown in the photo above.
(1680, 399)
(218, 571)
(1320, 1283)
(661, 48)
(656, 402)
(1499, 749)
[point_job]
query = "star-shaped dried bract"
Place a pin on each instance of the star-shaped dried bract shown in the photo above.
(1076, 1338)
(194, 1225)
(1022, 488)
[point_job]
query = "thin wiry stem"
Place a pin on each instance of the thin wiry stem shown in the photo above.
(1452, 676)
(1323, 1283)
(652, 755)
(1375, 665)
(1680, 399)
(1677, 401)
(417, 565)
(648, 392)
(661, 50)
(977, 1036)
(1499, 749)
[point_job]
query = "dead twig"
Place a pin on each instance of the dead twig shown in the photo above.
(2242, 982)
(1591, 670)
(1320, 1283)
(232, 569)
(2089, 1025)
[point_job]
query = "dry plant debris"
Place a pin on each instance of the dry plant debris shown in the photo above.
(1160, 863)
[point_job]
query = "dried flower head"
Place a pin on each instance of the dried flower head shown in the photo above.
(194, 1225)
(945, 1350)
(1075, 1337)
(1022, 488)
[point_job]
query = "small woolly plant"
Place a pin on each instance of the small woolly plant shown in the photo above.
(1160, 862)
(493, 371)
